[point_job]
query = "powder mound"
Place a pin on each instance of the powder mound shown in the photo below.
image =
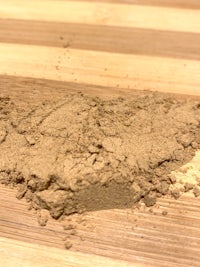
(83, 153)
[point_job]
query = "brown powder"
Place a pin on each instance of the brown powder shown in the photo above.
(196, 191)
(188, 187)
(83, 153)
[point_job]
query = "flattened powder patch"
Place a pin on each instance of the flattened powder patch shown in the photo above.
(84, 153)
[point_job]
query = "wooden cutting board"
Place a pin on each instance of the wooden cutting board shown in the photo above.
(49, 48)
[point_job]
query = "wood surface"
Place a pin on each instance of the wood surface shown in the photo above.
(49, 48)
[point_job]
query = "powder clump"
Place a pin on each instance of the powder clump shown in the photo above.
(85, 153)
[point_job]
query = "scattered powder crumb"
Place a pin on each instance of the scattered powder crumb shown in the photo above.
(68, 226)
(65, 45)
(22, 189)
(30, 207)
(188, 187)
(42, 217)
(196, 191)
(73, 232)
(164, 212)
(150, 199)
(68, 244)
(175, 193)
(151, 210)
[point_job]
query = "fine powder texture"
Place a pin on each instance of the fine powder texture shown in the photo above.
(83, 153)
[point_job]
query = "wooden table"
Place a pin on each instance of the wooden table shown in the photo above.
(49, 48)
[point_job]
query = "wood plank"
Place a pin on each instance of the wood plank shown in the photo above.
(138, 236)
(29, 90)
(102, 38)
(25, 90)
(101, 68)
(111, 48)
(99, 13)
(16, 254)
(192, 4)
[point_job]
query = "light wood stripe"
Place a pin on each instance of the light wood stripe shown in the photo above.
(101, 68)
(103, 14)
(190, 4)
(16, 253)
(102, 38)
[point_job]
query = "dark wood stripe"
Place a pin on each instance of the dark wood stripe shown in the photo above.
(24, 90)
(102, 38)
(186, 4)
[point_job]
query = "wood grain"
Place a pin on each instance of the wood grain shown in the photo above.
(133, 236)
(110, 39)
(108, 48)
(192, 4)
(18, 89)
(100, 13)
(101, 68)
(18, 253)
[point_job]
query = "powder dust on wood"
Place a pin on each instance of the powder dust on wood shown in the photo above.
(84, 153)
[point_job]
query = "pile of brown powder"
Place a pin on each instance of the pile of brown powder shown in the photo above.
(83, 153)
